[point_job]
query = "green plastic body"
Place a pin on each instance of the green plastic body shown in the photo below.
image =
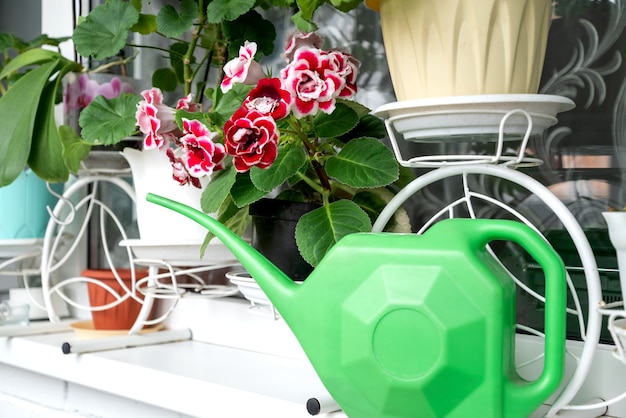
(406, 325)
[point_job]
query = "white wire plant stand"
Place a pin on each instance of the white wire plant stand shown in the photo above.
(66, 235)
(509, 121)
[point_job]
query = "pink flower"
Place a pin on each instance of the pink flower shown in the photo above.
(155, 120)
(269, 98)
(347, 67)
(251, 138)
(79, 93)
(314, 80)
(179, 171)
(243, 69)
(299, 40)
(114, 88)
(201, 154)
(187, 103)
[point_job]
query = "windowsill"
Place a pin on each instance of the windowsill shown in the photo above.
(196, 378)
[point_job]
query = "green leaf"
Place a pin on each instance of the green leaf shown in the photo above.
(74, 149)
(302, 24)
(345, 5)
(364, 162)
(308, 7)
(216, 192)
(288, 161)
(172, 23)
(251, 26)
(341, 121)
(108, 121)
(244, 192)
(104, 31)
(320, 229)
(28, 58)
(371, 201)
(165, 79)
(177, 54)
(226, 104)
(46, 152)
(16, 130)
(232, 217)
(238, 221)
(145, 25)
(219, 10)
(370, 126)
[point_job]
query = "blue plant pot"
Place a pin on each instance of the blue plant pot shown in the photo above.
(23, 213)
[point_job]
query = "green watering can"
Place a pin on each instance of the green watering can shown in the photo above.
(406, 325)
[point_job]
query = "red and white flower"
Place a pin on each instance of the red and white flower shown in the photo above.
(243, 69)
(187, 103)
(179, 171)
(201, 154)
(251, 137)
(299, 40)
(314, 82)
(268, 97)
(155, 120)
(347, 67)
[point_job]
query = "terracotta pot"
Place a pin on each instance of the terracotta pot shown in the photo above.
(464, 47)
(121, 316)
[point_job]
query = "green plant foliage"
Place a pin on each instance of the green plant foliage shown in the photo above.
(363, 163)
(104, 31)
(320, 229)
(107, 121)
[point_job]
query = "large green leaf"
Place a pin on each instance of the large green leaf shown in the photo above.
(216, 192)
(108, 121)
(165, 79)
(145, 25)
(28, 58)
(251, 26)
(319, 230)
(18, 112)
(288, 161)
(46, 153)
(244, 192)
(104, 31)
(172, 23)
(364, 162)
(308, 7)
(74, 149)
(342, 120)
(369, 125)
(220, 10)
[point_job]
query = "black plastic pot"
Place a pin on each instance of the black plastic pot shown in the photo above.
(274, 234)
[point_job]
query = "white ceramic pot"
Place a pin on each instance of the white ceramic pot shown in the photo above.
(616, 223)
(464, 47)
(152, 173)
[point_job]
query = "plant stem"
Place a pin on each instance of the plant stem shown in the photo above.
(187, 70)
(311, 151)
(313, 184)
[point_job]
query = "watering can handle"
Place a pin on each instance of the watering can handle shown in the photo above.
(520, 393)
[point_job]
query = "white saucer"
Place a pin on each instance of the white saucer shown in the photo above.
(180, 253)
(433, 119)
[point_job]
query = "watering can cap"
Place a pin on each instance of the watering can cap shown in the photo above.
(373, 4)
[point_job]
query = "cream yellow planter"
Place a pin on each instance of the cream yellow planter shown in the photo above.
(464, 47)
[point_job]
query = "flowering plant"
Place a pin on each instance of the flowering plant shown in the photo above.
(296, 135)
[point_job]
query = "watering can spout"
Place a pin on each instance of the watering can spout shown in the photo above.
(277, 285)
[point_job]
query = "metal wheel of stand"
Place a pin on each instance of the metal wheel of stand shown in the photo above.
(56, 252)
(590, 334)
